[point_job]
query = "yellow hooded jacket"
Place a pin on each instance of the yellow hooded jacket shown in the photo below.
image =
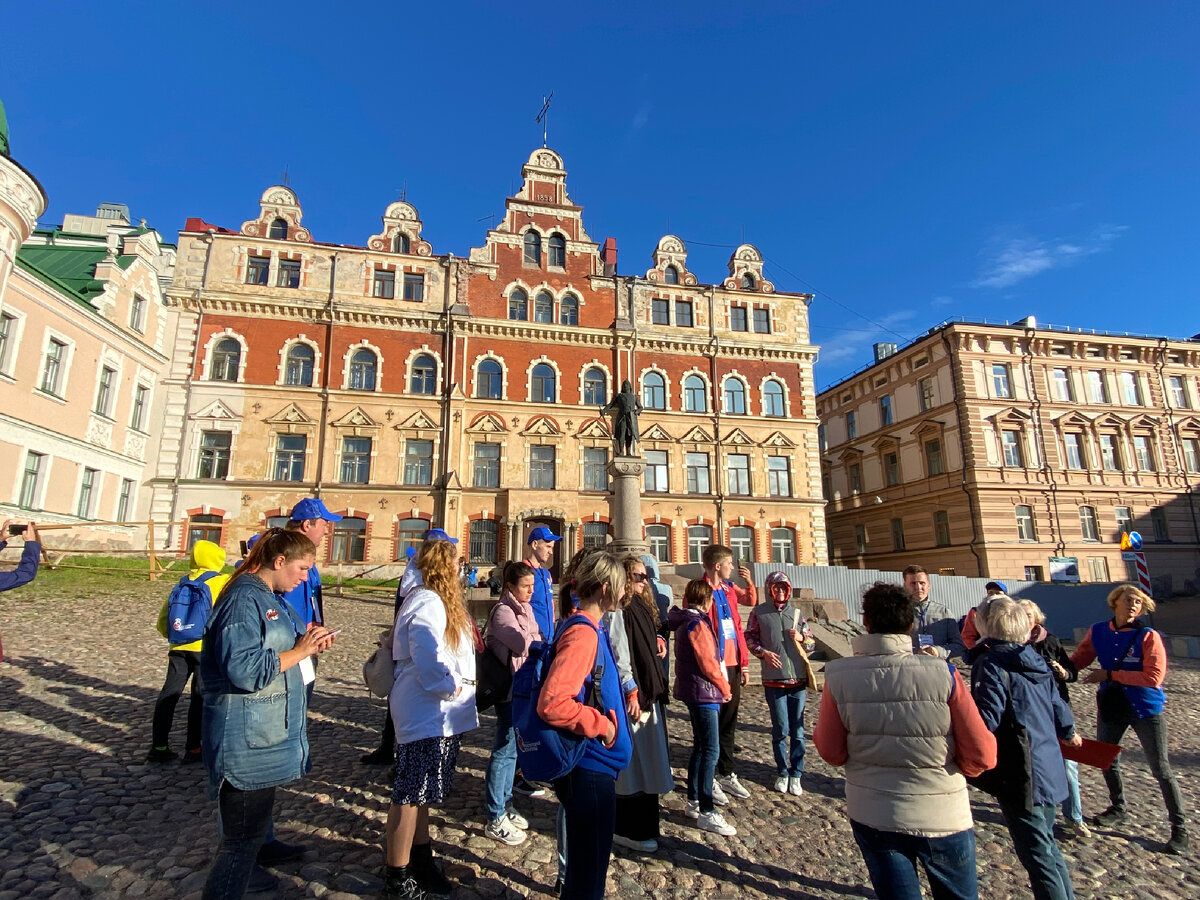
(206, 557)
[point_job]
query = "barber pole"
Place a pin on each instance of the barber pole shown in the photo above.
(1143, 571)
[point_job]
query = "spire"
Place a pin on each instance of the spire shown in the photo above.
(3, 131)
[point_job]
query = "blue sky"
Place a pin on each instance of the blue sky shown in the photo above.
(907, 162)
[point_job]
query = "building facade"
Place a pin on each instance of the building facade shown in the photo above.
(1009, 451)
(409, 388)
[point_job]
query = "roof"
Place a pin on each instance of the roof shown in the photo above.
(71, 270)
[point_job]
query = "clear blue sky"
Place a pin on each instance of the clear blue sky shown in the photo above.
(908, 162)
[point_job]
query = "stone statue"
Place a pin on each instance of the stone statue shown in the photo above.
(625, 407)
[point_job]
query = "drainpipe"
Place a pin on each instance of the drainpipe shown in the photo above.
(1035, 409)
(328, 374)
(714, 344)
(448, 365)
(955, 374)
(1160, 366)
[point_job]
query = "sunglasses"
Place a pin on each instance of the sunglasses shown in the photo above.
(640, 577)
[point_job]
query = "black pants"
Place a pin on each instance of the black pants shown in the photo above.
(1152, 733)
(181, 665)
(637, 817)
(727, 722)
(589, 801)
(245, 818)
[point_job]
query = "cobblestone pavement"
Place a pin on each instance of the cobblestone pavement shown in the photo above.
(81, 814)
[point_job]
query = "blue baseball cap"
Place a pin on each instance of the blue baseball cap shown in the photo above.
(312, 508)
(439, 534)
(542, 533)
(996, 586)
(253, 540)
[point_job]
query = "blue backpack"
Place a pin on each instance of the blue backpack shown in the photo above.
(544, 752)
(188, 609)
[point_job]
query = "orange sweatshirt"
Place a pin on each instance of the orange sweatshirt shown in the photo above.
(573, 659)
(704, 650)
(1154, 660)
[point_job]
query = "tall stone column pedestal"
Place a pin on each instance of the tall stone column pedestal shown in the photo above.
(625, 505)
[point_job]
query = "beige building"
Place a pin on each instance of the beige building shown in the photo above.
(1011, 450)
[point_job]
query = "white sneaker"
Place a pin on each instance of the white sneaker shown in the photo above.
(692, 810)
(516, 818)
(505, 832)
(781, 784)
(794, 786)
(733, 786)
(719, 796)
(713, 821)
(648, 846)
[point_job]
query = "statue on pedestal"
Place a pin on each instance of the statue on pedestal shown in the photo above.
(625, 408)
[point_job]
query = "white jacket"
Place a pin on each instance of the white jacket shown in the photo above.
(428, 672)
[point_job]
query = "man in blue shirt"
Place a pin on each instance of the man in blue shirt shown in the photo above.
(30, 556)
(541, 552)
(312, 519)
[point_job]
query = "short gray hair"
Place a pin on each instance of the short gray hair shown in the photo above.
(1007, 621)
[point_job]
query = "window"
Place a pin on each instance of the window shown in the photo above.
(410, 533)
(385, 284)
(659, 537)
(735, 397)
(1087, 523)
(654, 391)
(851, 426)
(543, 308)
(226, 360)
(205, 527)
(52, 366)
(1000, 385)
(1097, 387)
(541, 467)
(1179, 398)
(289, 273)
(487, 466)
(660, 312)
(1074, 446)
(762, 321)
(214, 454)
(556, 249)
(1025, 530)
(697, 473)
(738, 319)
(402, 244)
(484, 541)
(699, 537)
(289, 457)
(897, 534)
(773, 398)
(123, 499)
(779, 477)
(518, 305)
(1191, 455)
(670, 275)
(595, 535)
(1061, 386)
(298, 367)
(568, 310)
(925, 389)
(418, 462)
(257, 268)
(1011, 440)
(855, 478)
(137, 313)
(941, 528)
(489, 380)
(83, 508)
(543, 384)
(885, 411)
(695, 396)
(1097, 569)
(656, 471)
(349, 544)
(424, 375)
(1130, 389)
(891, 469)
(7, 329)
(933, 457)
(1143, 453)
(277, 521)
(1158, 522)
(363, 366)
(595, 387)
(860, 539)
(29, 480)
(1124, 517)
(356, 460)
(595, 469)
(278, 230)
(414, 286)
(747, 281)
(741, 542)
(738, 473)
(104, 391)
(783, 546)
(1110, 453)
(533, 248)
(683, 313)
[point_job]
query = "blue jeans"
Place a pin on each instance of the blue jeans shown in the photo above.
(892, 858)
(503, 764)
(589, 803)
(1072, 807)
(244, 818)
(702, 764)
(1033, 839)
(787, 708)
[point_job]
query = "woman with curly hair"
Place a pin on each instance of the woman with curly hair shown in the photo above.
(432, 703)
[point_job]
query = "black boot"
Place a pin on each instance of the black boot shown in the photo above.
(1114, 815)
(378, 757)
(398, 884)
(426, 872)
(1179, 842)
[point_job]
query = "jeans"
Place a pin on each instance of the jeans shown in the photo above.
(503, 764)
(1152, 732)
(1033, 839)
(787, 708)
(703, 761)
(244, 819)
(181, 665)
(727, 722)
(1072, 807)
(892, 858)
(589, 803)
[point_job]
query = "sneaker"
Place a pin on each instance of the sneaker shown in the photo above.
(261, 881)
(408, 889)
(517, 819)
(781, 784)
(378, 758)
(161, 754)
(692, 809)
(1076, 831)
(794, 787)
(528, 788)
(1179, 842)
(273, 853)
(637, 846)
(733, 786)
(719, 796)
(504, 831)
(713, 821)
(1114, 815)
(193, 756)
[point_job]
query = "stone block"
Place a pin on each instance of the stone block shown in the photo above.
(832, 642)
(832, 610)
(804, 594)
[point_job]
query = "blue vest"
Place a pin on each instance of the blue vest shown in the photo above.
(1109, 646)
(543, 601)
(721, 600)
(597, 757)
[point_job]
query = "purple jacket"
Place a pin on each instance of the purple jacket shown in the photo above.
(512, 628)
(694, 633)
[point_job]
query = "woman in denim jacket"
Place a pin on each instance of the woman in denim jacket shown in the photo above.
(254, 667)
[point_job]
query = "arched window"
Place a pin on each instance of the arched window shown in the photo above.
(772, 398)
(298, 369)
(349, 543)
(424, 374)
(204, 527)
(783, 545)
(226, 358)
(654, 391)
(556, 247)
(735, 397)
(278, 230)
(748, 281)
(543, 308)
(518, 305)
(670, 275)
(363, 366)
(695, 397)
(568, 310)
(533, 248)
(409, 533)
(402, 244)
(595, 387)
(659, 538)
(489, 380)
(699, 537)
(741, 542)
(543, 384)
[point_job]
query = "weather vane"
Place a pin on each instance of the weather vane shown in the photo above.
(544, 115)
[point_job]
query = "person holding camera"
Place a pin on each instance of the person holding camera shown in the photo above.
(27, 568)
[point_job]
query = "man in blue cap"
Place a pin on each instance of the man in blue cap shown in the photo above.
(541, 551)
(312, 519)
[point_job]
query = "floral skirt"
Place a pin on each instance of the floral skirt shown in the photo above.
(424, 770)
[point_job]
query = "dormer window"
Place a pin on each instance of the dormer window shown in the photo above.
(278, 230)
(533, 248)
(402, 244)
(748, 281)
(671, 275)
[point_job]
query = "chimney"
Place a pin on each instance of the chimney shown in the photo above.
(608, 256)
(883, 351)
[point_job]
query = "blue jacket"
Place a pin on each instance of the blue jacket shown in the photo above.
(1037, 705)
(26, 569)
(1109, 646)
(253, 733)
(306, 599)
(543, 600)
(597, 757)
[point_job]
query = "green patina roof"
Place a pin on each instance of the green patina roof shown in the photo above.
(69, 269)
(3, 131)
